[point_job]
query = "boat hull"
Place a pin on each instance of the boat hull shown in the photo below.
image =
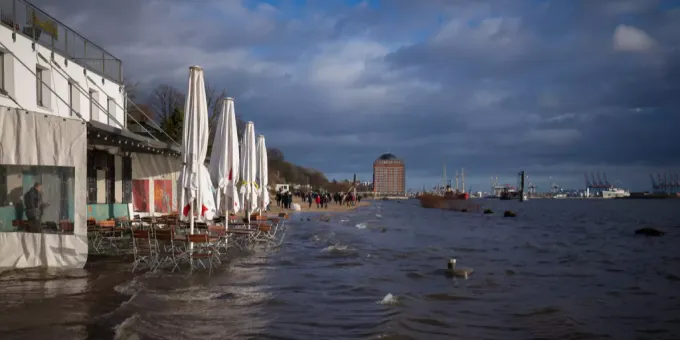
(458, 202)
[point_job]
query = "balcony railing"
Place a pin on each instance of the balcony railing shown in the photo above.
(24, 18)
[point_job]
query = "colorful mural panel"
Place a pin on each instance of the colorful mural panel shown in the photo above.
(140, 195)
(162, 199)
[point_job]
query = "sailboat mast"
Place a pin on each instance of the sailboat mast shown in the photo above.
(444, 177)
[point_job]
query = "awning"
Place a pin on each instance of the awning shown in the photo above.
(106, 135)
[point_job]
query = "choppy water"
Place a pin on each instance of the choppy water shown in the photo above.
(560, 270)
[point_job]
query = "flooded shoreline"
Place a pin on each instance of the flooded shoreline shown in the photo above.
(555, 271)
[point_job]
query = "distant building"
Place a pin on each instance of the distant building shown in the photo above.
(389, 175)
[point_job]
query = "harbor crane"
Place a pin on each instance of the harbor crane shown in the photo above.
(606, 182)
(599, 181)
(594, 182)
(655, 185)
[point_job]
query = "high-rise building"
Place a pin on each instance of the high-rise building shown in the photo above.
(389, 175)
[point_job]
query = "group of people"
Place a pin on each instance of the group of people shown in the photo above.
(285, 199)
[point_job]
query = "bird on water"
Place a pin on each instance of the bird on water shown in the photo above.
(460, 272)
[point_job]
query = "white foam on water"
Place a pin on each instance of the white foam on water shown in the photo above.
(362, 225)
(335, 248)
(120, 308)
(125, 330)
(130, 287)
(378, 215)
(389, 299)
(188, 295)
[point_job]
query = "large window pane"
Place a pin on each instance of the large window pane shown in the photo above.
(37, 199)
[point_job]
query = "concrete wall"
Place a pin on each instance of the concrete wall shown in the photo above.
(20, 63)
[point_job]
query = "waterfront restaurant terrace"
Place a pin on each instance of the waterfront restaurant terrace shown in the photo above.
(26, 19)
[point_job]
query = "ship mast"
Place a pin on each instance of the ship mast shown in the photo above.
(462, 176)
(456, 181)
(443, 185)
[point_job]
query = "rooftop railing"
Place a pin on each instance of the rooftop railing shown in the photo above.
(24, 18)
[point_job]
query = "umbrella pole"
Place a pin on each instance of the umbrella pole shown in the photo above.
(191, 223)
(218, 201)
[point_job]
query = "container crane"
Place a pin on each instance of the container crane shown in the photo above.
(599, 181)
(606, 182)
(594, 182)
(655, 185)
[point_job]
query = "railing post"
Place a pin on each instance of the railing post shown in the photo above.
(120, 72)
(103, 63)
(14, 15)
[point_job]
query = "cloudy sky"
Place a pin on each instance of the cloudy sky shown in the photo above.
(556, 88)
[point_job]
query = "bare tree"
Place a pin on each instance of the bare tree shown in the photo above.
(165, 100)
(132, 90)
(214, 99)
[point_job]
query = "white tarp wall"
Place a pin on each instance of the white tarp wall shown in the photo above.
(153, 167)
(32, 139)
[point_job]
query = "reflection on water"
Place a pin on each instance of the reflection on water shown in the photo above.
(561, 269)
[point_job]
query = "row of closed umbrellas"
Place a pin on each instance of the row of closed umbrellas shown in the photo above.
(237, 177)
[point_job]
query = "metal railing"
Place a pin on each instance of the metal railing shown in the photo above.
(24, 18)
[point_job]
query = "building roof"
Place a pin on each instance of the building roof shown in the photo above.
(387, 157)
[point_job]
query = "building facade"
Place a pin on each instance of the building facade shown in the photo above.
(63, 128)
(389, 175)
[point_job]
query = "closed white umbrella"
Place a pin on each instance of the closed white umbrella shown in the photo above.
(224, 159)
(262, 173)
(194, 179)
(249, 164)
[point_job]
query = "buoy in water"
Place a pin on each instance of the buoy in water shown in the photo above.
(649, 232)
(460, 272)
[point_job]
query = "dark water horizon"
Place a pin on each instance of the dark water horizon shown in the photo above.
(562, 269)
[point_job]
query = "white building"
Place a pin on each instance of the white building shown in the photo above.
(63, 123)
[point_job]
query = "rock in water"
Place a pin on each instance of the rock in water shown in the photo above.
(649, 232)
(509, 213)
(488, 211)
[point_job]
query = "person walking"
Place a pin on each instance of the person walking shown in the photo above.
(33, 201)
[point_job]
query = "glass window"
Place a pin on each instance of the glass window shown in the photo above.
(94, 113)
(2, 72)
(111, 108)
(71, 99)
(36, 199)
(38, 85)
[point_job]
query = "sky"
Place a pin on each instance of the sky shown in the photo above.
(554, 88)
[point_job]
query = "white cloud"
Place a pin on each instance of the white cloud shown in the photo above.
(490, 34)
(630, 39)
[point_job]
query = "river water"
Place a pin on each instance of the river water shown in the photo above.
(562, 269)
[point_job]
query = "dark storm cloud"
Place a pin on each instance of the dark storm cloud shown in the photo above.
(552, 87)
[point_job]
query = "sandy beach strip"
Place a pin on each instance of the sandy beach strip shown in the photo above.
(332, 207)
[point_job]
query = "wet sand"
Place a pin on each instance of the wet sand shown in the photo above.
(332, 207)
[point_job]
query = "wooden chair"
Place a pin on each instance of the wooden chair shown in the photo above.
(144, 249)
(66, 227)
(168, 250)
(203, 249)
